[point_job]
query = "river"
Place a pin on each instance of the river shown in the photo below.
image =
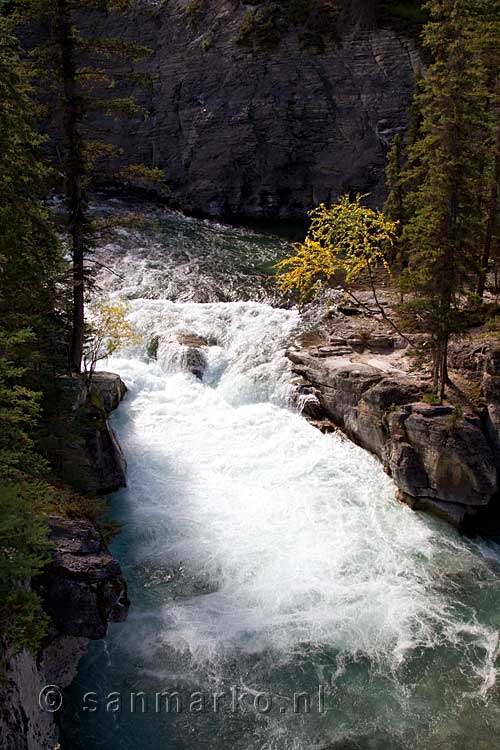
(277, 586)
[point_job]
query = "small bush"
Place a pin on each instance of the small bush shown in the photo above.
(431, 398)
(455, 419)
(207, 42)
(193, 10)
(260, 27)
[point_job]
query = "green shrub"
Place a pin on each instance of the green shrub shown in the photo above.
(24, 550)
(431, 398)
(193, 10)
(455, 419)
(260, 26)
(207, 42)
(268, 21)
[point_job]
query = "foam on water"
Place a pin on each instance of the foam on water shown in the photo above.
(261, 552)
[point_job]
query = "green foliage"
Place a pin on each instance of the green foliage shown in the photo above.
(493, 326)
(32, 347)
(207, 42)
(443, 176)
(138, 175)
(345, 242)
(108, 331)
(260, 26)
(23, 502)
(268, 21)
(193, 10)
(30, 258)
(455, 419)
(431, 398)
(23, 620)
(19, 409)
(393, 206)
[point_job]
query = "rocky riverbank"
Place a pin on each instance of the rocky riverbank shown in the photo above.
(443, 458)
(83, 588)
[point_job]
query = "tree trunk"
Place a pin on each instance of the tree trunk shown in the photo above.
(443, 367)
(74, 167)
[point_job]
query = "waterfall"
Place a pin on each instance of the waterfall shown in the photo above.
(266, 558)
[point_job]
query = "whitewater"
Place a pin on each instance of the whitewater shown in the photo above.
(261, 555)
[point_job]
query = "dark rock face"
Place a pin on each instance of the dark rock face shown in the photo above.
(83, 586)
(83, 590)
(264, 132)
(104, 463)
(451, 459)
(440, 460)
(106, 467)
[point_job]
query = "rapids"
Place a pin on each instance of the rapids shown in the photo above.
(265, 559)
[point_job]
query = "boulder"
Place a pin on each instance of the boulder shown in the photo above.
(183, 351)
(109, 388)
(433, 453)
(83, 587)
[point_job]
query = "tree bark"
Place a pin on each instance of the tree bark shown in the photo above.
(74, 167)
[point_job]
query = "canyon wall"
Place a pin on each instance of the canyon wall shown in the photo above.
(82, 589)
(258, 129)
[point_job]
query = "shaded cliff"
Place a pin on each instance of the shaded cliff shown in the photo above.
(264, 128)
(82, 589)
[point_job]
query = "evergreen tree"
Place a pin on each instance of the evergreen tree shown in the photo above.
(30, 269)
(486, 47)
(444, 170)
(81, 67)
(393, 206)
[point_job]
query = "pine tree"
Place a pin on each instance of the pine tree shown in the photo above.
(444, 169)
(394, 205)
(485, 46)
(30, 272)
(81, 67)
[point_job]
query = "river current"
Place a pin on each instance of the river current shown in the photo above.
(281, 596)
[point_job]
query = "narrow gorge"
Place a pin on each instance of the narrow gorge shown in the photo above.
(249, 375)
(264, 558)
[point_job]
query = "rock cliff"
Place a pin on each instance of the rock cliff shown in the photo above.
(263, 130)
(83, 590)
(444, 459)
